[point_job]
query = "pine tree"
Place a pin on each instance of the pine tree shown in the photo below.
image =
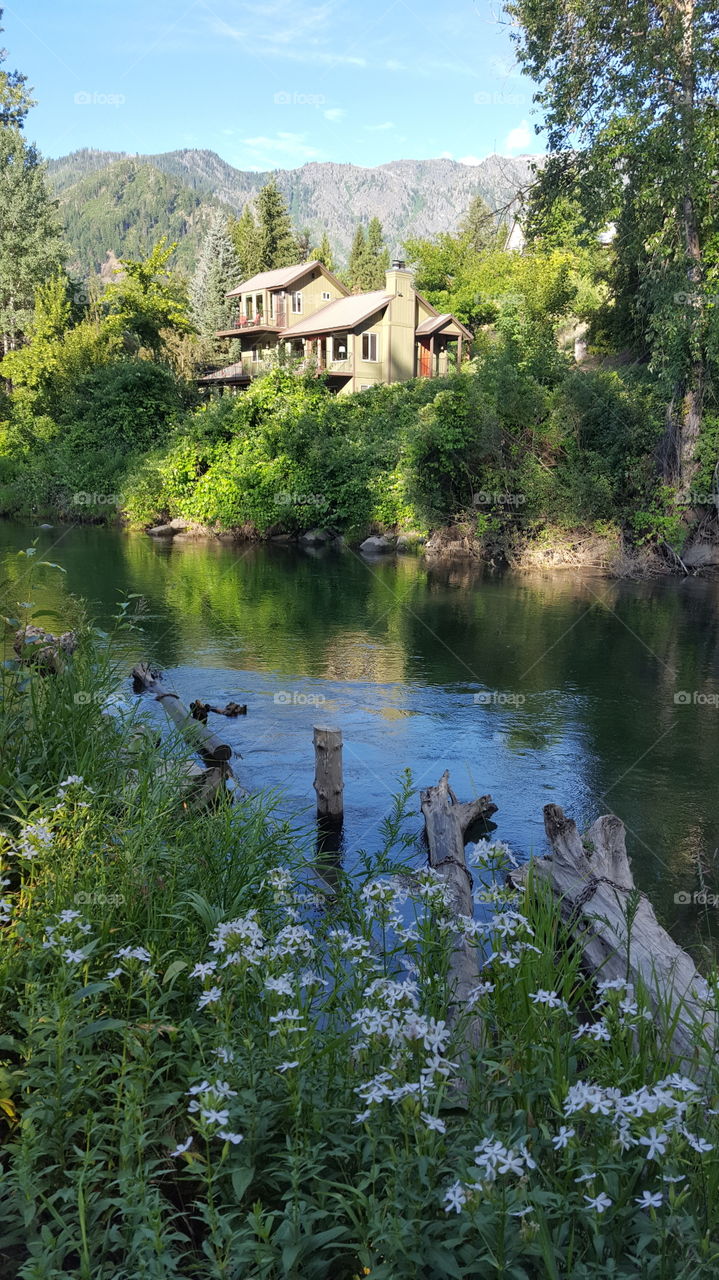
(357, 263)
(218, 271)
(277, 244)
(246, 239)
(478, 227)
(324, 253)
(31, 248)
(369, 258)
(377, 255)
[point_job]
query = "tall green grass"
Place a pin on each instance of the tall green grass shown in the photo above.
(212, 1066)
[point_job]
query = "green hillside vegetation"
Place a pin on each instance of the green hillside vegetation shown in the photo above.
(125, 208)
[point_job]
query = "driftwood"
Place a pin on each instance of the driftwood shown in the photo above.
(329, 783)
(593, 880)
(202, 740)
(446, 822)
(41, 649)
(200, 709)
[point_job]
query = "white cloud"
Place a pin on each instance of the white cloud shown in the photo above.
(286, 30)
(288, 147)
(335, 113)
(380, 128)
(518, 139)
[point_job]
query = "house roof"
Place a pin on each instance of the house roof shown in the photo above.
(280, 278)
(283, 277)
(343, 313)
(435, 324)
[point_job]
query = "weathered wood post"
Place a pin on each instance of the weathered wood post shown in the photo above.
(328, 782)
(446, 822)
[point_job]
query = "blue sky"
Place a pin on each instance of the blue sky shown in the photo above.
(276, 84)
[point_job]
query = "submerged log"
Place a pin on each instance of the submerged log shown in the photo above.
(446, 822)
(618, 931)
(207, 744)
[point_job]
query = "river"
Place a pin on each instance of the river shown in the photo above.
(599, 696)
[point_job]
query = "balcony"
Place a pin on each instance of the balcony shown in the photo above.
(242, 323)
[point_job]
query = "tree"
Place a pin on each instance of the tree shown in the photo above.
(478, 228)
(31, 248)
(246, 239)
(358, 254)
(323, 253)
(629, 97)
(15, 100)
(218, 270)
(377, 260)
(147, 302)
(277, 244)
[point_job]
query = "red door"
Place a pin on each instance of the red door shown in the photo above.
(425, 359)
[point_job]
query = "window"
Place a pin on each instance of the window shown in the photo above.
(297, 303)
(256, 354)
(272, 306)
(340, 346)
(326, 297)
(369, 346)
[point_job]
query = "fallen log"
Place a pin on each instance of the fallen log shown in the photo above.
(200, 709)
(446, 823)
(618, 931)
(207, 744)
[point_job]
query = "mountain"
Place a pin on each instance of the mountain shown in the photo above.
(121, 204)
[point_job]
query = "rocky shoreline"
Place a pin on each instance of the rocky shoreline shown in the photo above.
(555, 549)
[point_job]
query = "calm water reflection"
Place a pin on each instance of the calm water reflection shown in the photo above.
(576, 679)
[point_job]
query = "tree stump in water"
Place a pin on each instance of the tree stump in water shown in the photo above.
(329, 782)
(619, 932)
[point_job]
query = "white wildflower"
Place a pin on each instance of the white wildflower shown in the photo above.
(209, 997)
(455, 1197)
(649, 1199)
(562, 1136)
(598, 1203)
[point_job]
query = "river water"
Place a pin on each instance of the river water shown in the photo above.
(595, 695)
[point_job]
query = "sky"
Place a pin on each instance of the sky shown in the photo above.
(273, 85)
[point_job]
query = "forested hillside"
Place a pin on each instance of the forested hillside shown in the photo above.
(122, 204)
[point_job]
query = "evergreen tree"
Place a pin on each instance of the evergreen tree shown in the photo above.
(377, 255)
(478, 227)
(31, 248)
(218, 271)
(357, 260)
(246, 239)
(277, 243)
(323, 253)
(369, 258)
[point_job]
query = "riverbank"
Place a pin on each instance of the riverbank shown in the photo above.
(606, 552)
(188, 1020)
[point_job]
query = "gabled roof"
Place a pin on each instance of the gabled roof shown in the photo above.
(436, 323)
(282, 278)
(343, 313)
